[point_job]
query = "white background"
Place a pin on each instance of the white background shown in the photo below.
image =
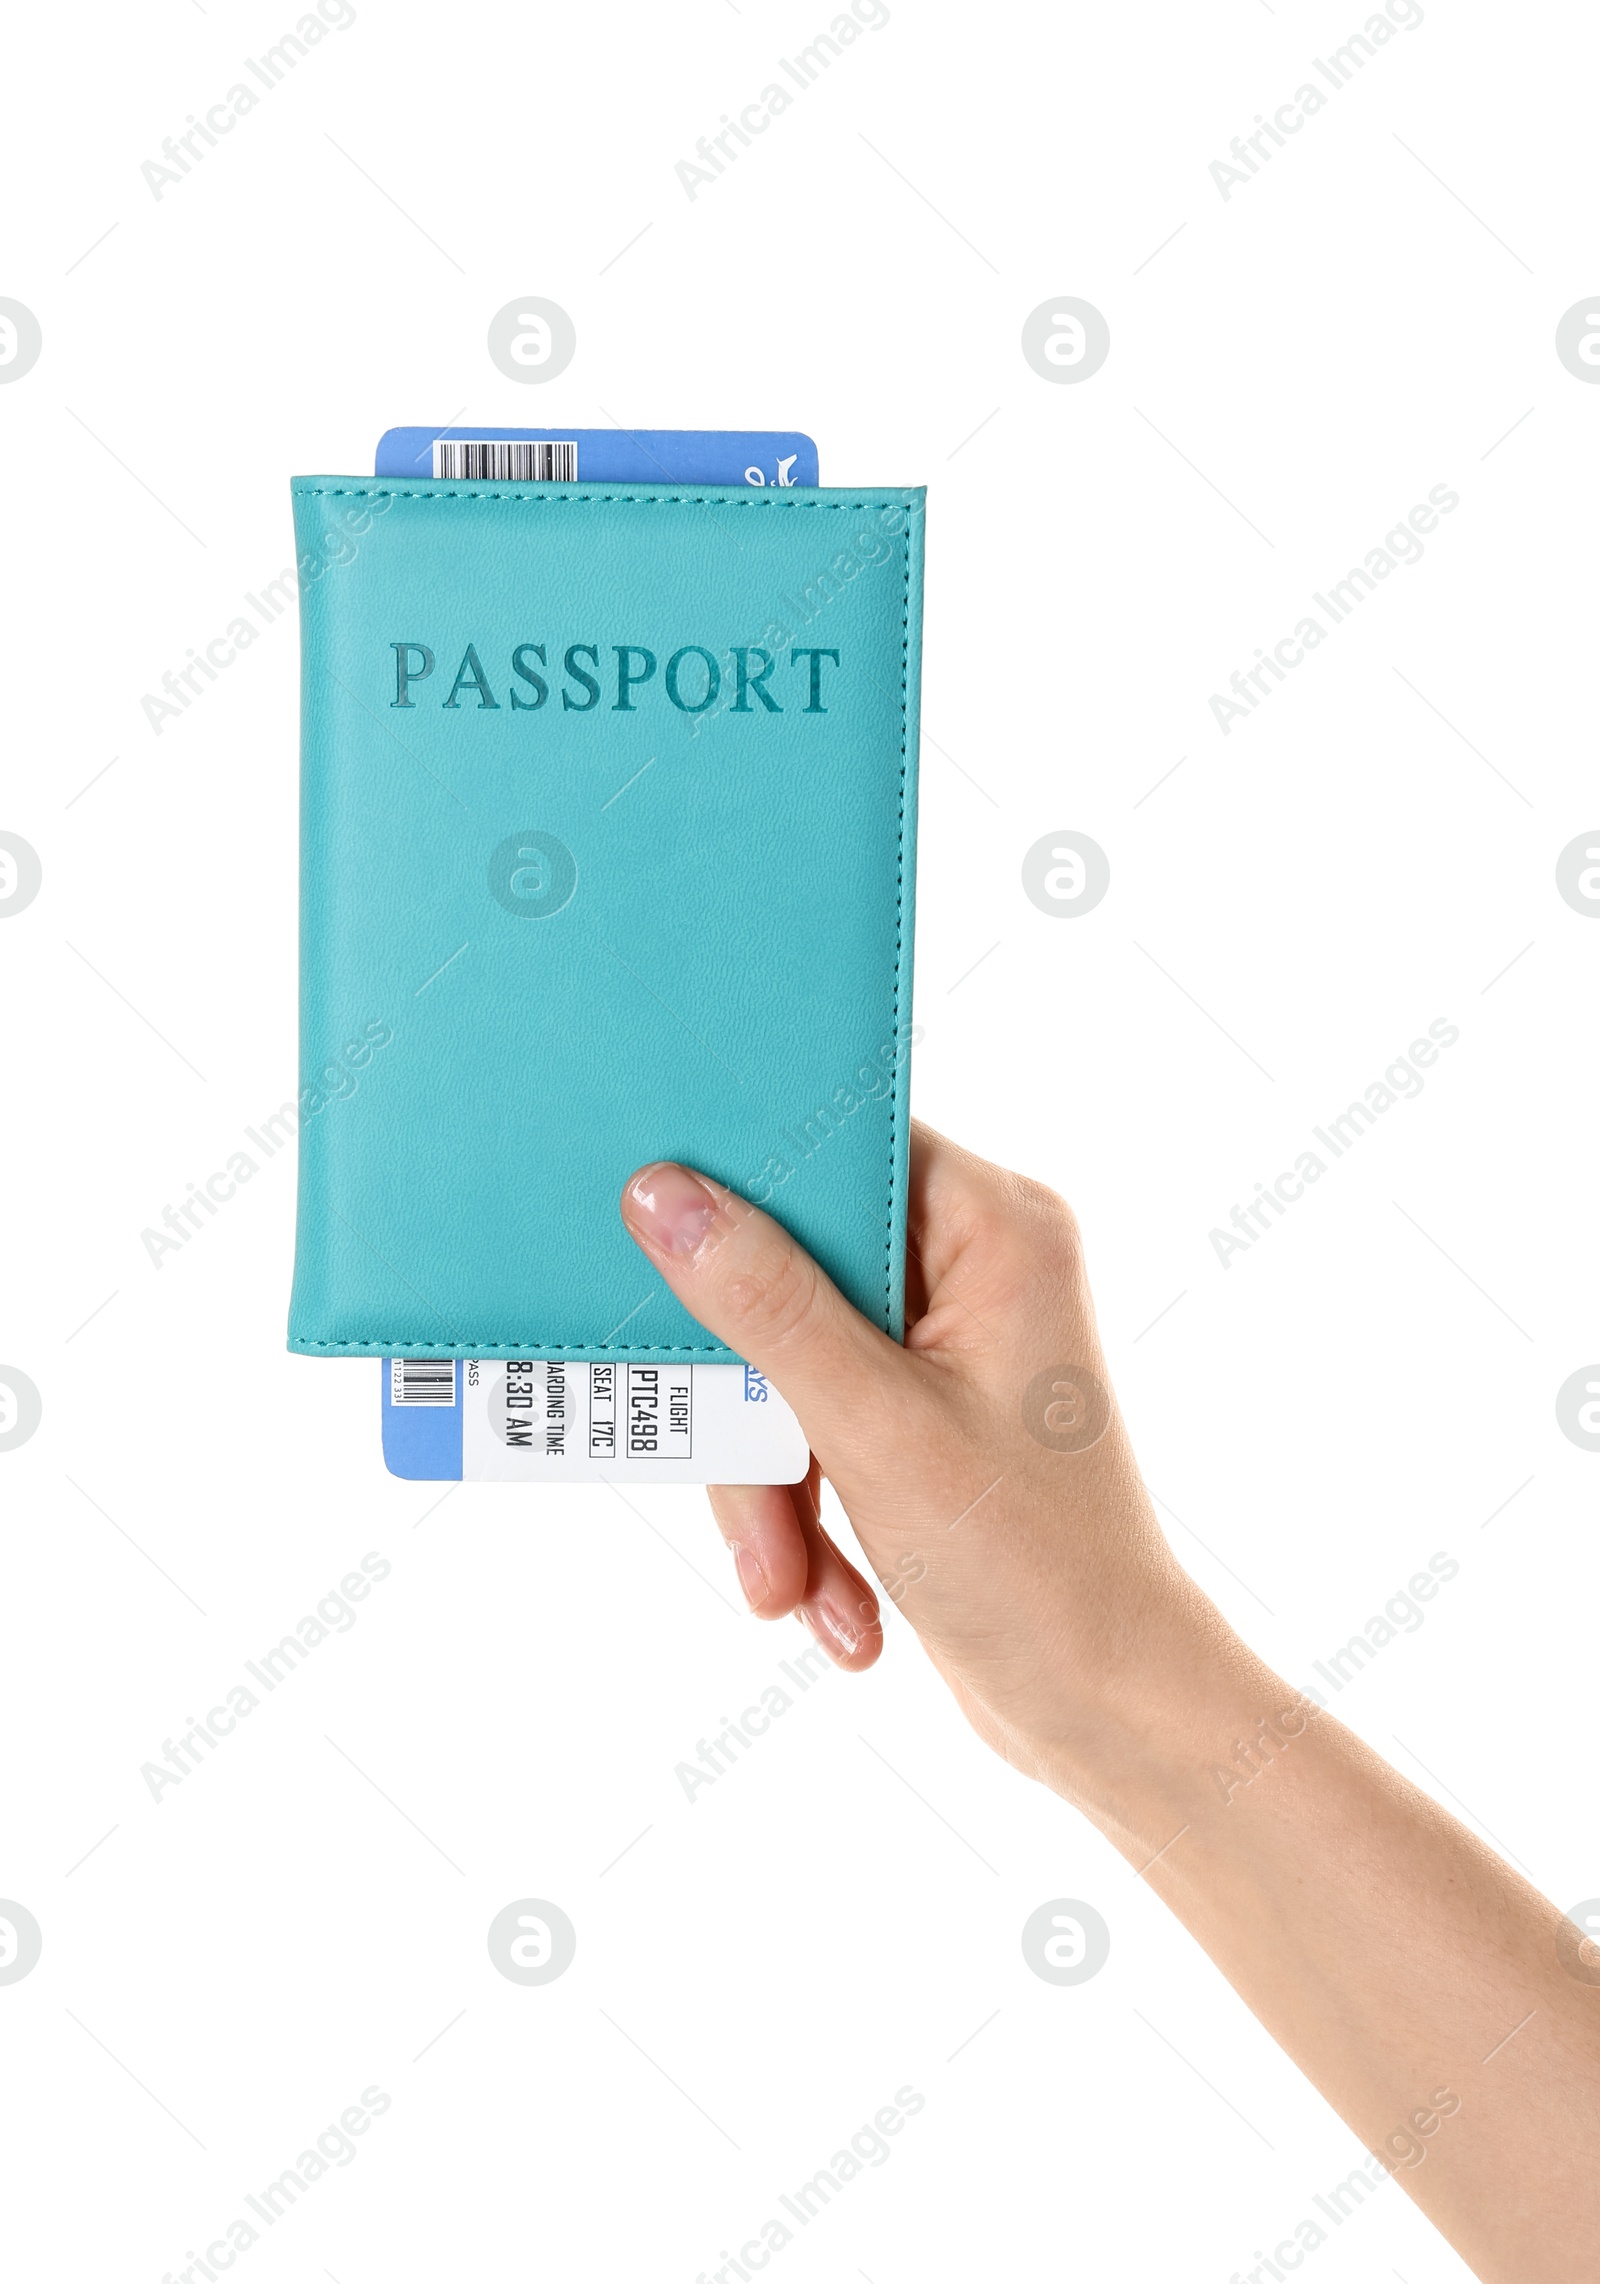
(1372, 849)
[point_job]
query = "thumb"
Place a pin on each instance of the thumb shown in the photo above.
(747, 1281)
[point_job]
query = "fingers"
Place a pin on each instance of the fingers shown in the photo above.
(762, 1532)
(840, 1609)
(940, 1172)
(787, 1563)
(985, 1249)
(748, 1281)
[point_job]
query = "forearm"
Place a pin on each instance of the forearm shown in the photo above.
(1409, 1972)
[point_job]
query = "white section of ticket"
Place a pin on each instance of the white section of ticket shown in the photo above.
(531, 1421)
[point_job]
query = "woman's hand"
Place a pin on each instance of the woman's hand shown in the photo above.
(984, 1465)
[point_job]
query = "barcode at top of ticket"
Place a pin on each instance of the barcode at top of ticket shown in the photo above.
(422, 1380)
(472, 459)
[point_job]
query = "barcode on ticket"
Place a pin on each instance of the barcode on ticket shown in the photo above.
(493, 459)
(422, 1380)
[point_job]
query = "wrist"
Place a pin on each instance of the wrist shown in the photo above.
(1176, 1730)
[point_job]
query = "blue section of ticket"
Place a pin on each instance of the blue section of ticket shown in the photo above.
(754, 456)
(422, 1435)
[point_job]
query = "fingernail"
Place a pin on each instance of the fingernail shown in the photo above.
(752, 1577)
(669, 1209)
(830, 1627)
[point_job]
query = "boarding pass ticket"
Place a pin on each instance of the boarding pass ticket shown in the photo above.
(533, 1420)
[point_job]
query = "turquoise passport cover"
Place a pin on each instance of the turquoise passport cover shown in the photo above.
(608, 803)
